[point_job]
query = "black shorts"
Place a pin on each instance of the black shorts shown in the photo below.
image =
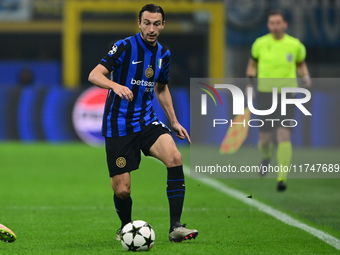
(123, 152)
(264, 102)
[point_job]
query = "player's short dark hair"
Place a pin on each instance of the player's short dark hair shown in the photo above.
(153, 8)
(277, 12)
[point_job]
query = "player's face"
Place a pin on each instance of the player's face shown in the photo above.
(151, 26)
(276, 25)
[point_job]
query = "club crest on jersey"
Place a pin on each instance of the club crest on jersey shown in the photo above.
(149, 72)
(113, 50)
(289, 57)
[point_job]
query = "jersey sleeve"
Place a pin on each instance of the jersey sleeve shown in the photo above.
(163, 77)
(114, 58)
(301, 53)
(255, 50)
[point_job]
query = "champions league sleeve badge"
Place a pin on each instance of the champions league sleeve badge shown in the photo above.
(113, 50)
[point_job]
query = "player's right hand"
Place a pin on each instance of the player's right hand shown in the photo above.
(181, 132)
(307, 82)
(123, 92)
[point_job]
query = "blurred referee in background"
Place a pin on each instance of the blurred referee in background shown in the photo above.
(276, 55)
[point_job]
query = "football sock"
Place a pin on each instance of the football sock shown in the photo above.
(175, 191)
(123, 208)
(267, 151)
(284, 156)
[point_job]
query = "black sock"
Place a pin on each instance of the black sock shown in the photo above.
(175, 191)
(123, 208)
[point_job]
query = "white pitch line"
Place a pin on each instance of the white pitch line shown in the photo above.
(285, 218)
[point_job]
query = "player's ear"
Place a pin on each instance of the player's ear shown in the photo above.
(163, 23)
(286, 24)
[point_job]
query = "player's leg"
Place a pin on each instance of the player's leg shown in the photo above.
(265, 143)
(121, 185)
(121, 161)
(165, 150)
(157, 142)
(284, 147)
(284, 154)
(265, 146)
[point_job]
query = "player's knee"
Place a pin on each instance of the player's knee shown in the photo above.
(175, 159)
(265, 139)
(123, 193)
(283, 135)
(265, 144)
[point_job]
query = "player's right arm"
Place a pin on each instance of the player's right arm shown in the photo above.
(251, 68)
(251, 71)
(251, 74)
(98, 78)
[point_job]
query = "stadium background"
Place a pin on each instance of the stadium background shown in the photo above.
(33, 36)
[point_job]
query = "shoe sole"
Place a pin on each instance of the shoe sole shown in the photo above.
(7, 236)
(192, 235)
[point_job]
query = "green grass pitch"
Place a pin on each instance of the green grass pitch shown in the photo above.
(58, 200)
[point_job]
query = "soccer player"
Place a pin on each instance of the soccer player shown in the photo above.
(139, 68)
(276, 55)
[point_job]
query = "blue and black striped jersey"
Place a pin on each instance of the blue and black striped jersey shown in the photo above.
(139, 66)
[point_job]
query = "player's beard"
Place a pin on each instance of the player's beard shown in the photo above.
(278, 34)
(145, 38)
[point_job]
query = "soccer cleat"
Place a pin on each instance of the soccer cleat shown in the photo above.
(281, 186)
(180, 233)
(6, 234)
(265, 162)
(118, 233)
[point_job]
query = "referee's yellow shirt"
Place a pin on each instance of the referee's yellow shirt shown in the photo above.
(277, 59)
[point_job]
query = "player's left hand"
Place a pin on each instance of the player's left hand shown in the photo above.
(181, 132)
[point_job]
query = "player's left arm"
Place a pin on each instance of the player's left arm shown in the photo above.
(303, 72)
(164, 99)
(301, 65)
